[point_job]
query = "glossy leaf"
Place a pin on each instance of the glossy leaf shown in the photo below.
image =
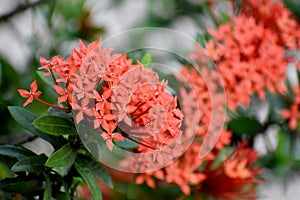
(25, 118)
(21, 184)
(64, 157)
(15, 151)
(59, 113)
(88, 177)
(30, 164)
(98, 170)
(54, 125)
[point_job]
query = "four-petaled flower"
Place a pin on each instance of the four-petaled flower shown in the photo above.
(33, 93)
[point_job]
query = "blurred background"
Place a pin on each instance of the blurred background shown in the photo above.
(31, 28)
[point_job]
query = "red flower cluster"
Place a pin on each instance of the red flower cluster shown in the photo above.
(130, 95)
(249, 57)
(274, 16)
(250, 50)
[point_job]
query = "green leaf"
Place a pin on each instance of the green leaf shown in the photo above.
(4, 170)
(282, 152)
(277, 103)
(127, 144)
(59, 113)
(88, 177)
(293, 6)
(25, 118)
(47, 79)
(244, 125)
(9, 78)
(21, 185)
(146, 60)
(55, 125)
(30, 164)
(15, 151)
(63, 196)
(64, 157)
(221, 157)
(97, 169)
(202, 39)
(224, 18)
(48, 188)
(62, 171)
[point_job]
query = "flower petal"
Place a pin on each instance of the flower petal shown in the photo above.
(28, 101)
(24, 93)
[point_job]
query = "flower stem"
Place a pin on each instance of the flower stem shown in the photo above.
(50, 105)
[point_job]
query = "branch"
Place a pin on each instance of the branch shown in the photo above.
(20, 8)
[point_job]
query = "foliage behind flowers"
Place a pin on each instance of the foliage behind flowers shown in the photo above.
(250, 51)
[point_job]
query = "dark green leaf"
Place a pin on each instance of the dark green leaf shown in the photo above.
(25, 118)
(63, 196)
(15, 151)
(88, 177)
(9, 78)
(21, 184)
(55, 125)
(98, 170)
(244, 125)
(30, 164)
(293, 6)
(64, 157)
(48, 188)
(59, 113)
(47, 79)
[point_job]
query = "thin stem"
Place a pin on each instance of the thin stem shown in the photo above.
(53, 77)
(144, 143)
(50, 105)
(19, 9)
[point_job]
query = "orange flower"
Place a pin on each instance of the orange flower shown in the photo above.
(129, 95)
(250, 58)
(33, 93)
(235, 178)
(276, 17)
(197, 109)
(293, 113)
